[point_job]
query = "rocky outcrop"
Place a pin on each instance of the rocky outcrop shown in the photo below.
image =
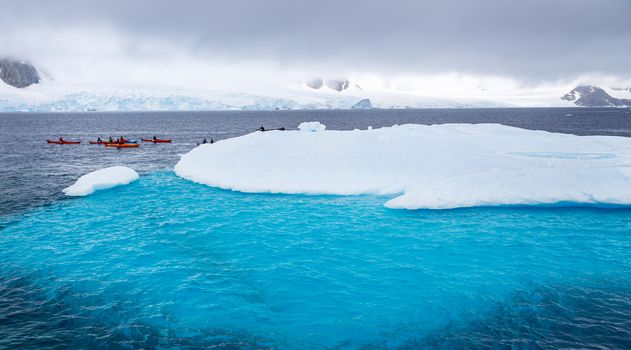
(315, 83)
(338, 84)
(18, 74)
(593, 96)
(363, 104)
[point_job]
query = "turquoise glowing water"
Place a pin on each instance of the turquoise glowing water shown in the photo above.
(165, 263)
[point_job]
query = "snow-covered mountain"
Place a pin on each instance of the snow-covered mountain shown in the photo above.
(594, 96)
(46, 98)
(25, 87)
(50, 95)
(18, 74)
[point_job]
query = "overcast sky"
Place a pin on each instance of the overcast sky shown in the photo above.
(532, 41)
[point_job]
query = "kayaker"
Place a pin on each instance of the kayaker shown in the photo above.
(155, 138)
(204, 141)
(111, 140)
(61, 140)
(122, 139)
(98, 139)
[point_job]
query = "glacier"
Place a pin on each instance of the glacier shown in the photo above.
(422, 166)
(49, 96)
(101, 180)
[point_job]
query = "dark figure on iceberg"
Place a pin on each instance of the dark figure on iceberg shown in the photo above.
(212, 141)
(261, 129)
(204, 141)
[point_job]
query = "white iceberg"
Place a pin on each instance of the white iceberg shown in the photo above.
(311, 126)
(101, 180)
(431, 167)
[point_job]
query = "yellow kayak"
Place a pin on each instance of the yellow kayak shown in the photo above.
(122, 145)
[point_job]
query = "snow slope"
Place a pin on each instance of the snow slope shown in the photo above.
(101, 180)
(431, 167)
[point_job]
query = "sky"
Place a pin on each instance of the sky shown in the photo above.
(411, 45)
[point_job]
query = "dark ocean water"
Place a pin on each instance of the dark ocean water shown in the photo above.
(167, 264)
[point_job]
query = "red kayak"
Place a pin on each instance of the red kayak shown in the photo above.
(64, 142)
(156, 141)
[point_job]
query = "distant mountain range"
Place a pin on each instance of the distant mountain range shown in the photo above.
(26, 88)
(23, 89)
(593, 96)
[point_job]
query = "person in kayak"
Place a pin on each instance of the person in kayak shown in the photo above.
(61, 140)
(155, 138)
(98, 139)
(111, 140)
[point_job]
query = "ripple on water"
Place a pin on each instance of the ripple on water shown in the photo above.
(167, 263)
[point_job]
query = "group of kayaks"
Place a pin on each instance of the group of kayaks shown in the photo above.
(120, 143)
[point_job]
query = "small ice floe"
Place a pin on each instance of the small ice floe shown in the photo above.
(101, 180)
(311, 126)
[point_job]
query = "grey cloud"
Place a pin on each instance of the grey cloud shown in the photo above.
(530, 40)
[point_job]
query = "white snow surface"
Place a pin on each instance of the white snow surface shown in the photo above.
(101, 180)
(426, 167)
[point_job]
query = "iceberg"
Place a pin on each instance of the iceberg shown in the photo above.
(311, 126)
(422, 166)
(101, 180)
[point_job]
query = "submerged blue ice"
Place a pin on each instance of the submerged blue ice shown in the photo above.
(165, 263)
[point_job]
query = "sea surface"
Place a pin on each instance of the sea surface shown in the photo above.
(164, 263)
